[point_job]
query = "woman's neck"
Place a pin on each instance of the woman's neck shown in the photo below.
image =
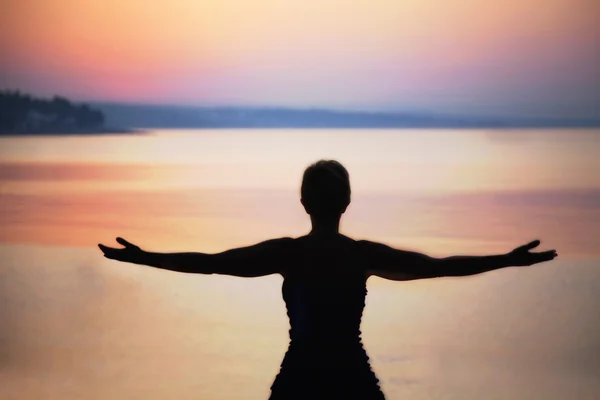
(325, 227)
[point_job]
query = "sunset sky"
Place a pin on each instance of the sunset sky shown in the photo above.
(511, 57)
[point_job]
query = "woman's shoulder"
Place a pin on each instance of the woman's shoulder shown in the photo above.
(339, 242)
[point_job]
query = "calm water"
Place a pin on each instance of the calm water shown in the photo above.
(76, 325)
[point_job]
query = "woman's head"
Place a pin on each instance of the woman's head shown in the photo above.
(325, 191)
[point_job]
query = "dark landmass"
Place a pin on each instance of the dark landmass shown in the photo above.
(174, 117)
(22, 114)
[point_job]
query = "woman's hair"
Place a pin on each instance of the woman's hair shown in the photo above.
(325, 189)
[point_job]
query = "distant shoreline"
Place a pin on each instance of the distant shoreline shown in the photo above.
(24, 115)
(142, 131)
(75, 132)
(174, 117)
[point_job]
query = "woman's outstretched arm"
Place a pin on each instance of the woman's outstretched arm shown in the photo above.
(399, 265)
(261, 259)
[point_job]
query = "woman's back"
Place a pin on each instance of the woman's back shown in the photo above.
(324, 290)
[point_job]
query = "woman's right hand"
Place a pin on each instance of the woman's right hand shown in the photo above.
(129, 253)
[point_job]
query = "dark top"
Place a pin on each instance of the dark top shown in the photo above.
(324, 291)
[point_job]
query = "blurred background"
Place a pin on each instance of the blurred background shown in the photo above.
(467, 128)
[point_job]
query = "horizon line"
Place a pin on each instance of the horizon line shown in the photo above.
(375, 111)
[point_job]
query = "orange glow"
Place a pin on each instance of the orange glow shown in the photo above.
(442, 191)
(299, 52)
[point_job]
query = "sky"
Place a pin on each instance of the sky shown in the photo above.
(514, 57)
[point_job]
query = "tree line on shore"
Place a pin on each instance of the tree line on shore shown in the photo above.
(23, 113)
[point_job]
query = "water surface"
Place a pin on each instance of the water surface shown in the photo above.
(80, 326)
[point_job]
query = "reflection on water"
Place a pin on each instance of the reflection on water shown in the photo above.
(80, 326)
(445, 191)
(218, 218)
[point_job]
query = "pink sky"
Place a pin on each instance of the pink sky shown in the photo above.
(532, 57)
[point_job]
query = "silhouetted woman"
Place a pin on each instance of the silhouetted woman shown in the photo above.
(324, 286)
